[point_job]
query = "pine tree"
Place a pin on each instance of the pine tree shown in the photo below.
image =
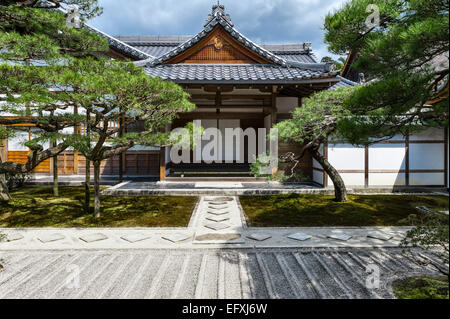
(402, 46)
(33, 39)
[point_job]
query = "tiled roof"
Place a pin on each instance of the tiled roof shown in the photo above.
(343, 82)
(160, 45)
(120, 45)
(232, 31)
(234, 73)
(114, 42)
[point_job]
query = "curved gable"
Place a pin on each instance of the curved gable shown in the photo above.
(218, 47)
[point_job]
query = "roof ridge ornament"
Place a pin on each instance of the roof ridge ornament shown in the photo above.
(218, 11)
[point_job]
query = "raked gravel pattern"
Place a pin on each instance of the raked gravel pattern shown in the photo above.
(208, 273)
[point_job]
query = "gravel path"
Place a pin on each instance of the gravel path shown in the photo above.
(209, 273)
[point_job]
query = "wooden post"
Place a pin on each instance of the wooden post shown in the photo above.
(407, 159)
(366, 166)
(325, 154)
(122, 155)
(446, 157)
(55, 173)
(75, 152)
(162, 164)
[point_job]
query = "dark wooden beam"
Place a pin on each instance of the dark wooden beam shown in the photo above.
(224, 116)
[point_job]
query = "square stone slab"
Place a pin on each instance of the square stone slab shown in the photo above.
(299, 236)
(218, 213)
(133, 238)
(14, 237)
(380, 236)
(217, 219)
(176, 238)
(342, 237)
(93, 237)
(48, 238)
(217, 226)
(259, 237)
(217, 238)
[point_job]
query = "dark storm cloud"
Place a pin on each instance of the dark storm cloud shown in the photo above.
(264, 21)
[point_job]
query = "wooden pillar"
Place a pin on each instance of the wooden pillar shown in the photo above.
(325, 154)
(122, 156)
(75, 152)
(407, 159)
(366, 166)
(162, 164)
(446, 157)
(274, 109)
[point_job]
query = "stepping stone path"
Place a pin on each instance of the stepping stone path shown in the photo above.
(51, 238)
(91, 238)
(218, 220)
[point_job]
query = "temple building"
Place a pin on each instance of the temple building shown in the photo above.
(237, 83)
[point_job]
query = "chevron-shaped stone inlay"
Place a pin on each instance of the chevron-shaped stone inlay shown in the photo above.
(219, 199)
(217, 219)
(259, 237)
(134, 238)
(217, 203)
(176, 238)
(217, 226)
(342, 237)
(218, 207)
(14, 237)
(51, 238)
(299, 236)
(380, 236)
(91, 238)
(219, 213)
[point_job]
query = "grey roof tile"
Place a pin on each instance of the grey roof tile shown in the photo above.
(233, 72)
(343, 83)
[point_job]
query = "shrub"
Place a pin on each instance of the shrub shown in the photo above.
(431, 234)
(16, 180)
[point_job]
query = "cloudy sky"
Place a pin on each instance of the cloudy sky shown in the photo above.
(264, 21)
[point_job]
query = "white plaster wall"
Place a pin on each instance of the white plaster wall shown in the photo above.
(16, 143)
(426, 156)
(387, 179)
(350, 179)
(426, 179)
(286, 104)
(387, 156)
(346, 157)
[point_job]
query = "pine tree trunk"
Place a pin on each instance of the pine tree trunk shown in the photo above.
(96, 189)
(87, 188)
(340, 190)
(87, 181)
(55, 174)
(4, 191)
